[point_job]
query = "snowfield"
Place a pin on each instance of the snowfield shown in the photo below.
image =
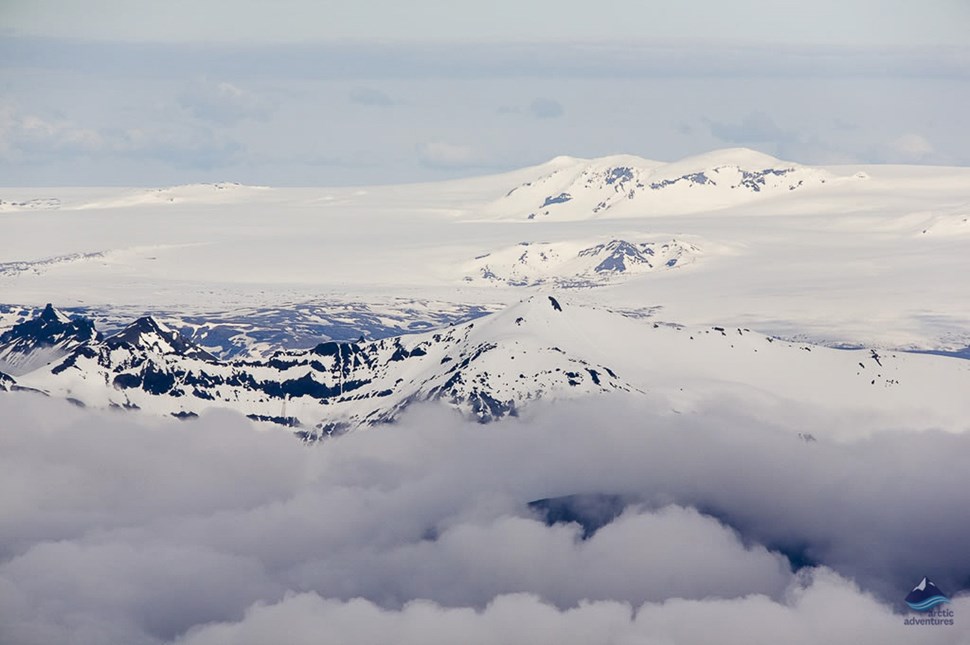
(596, 400)
(854, 255)
(731, 271)
(544, 348)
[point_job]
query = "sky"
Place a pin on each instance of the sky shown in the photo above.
(336, 93)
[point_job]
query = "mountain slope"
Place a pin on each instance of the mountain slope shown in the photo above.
(541, 348)
(487, 374)
(43, 339)
(628, 186)
(149, 335)
(576, 263)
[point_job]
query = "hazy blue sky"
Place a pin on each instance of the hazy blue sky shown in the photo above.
(858, 22)
(301, 92)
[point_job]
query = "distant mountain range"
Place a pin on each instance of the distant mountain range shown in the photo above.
(257, 332)
(541, 348)
(628, 186)
(331, 309)
(576, 263)
(43, 339)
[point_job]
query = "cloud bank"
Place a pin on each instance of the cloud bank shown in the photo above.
(266, 112)
(116, 528)
(222, 102)
(815, 611)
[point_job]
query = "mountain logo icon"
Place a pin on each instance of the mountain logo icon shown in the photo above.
(925, 596)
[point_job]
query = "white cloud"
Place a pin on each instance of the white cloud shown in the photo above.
(33, 134)
(544, 108)
(222, 102)
(442, 155)
(818, 608)
(472, 561)
(911, 148)
(117, 528)
(755, 127)
(286, 104)
(32, 139)
(371, 96)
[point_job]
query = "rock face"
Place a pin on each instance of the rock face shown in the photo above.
(546, 347)
(577, 263)
(43, 339)
(147, 334)
(487, 372)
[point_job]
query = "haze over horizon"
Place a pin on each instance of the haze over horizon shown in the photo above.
(373, 93)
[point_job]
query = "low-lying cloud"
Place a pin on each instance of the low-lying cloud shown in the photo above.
(36, 140)
(442, 155)
(222, 102)
(371, 96)
(543, 108)
(118, 528)
(818, 608)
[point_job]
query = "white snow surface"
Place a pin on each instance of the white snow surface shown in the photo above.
(537, 348)
(854, 255)
(576, 264)
(628, 186)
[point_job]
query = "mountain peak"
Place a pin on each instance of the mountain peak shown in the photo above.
(577, 263)
(44, 338)
(52, 314)
(631, 186)
(147, 333)
(551, 345)
(150, 324)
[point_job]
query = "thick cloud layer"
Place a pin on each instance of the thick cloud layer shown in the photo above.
(822, 608)
(115, 528)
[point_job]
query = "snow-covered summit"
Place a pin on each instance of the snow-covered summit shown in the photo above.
(629, 186)
(576, 263)
(487, 371)
(148, 334)
(544, 347)
(184, 194)
(42, 339)
(36, 203)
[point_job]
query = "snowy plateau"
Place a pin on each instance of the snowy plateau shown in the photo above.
(326, 310)
(720, 400)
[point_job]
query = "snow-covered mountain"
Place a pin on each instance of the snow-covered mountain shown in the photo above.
(541, 348)
(870, 257)
(629, 186)
(37, 203)
(576, 263)
(335, 386)
(149, 336)
(43, 339)
(214, 193)
(255, 332)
